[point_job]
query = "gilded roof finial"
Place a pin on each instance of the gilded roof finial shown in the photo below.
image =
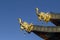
(25, 25)
(43, 16)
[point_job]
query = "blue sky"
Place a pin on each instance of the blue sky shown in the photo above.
(11, 10)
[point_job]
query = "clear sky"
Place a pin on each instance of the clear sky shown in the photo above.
(11, 10)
